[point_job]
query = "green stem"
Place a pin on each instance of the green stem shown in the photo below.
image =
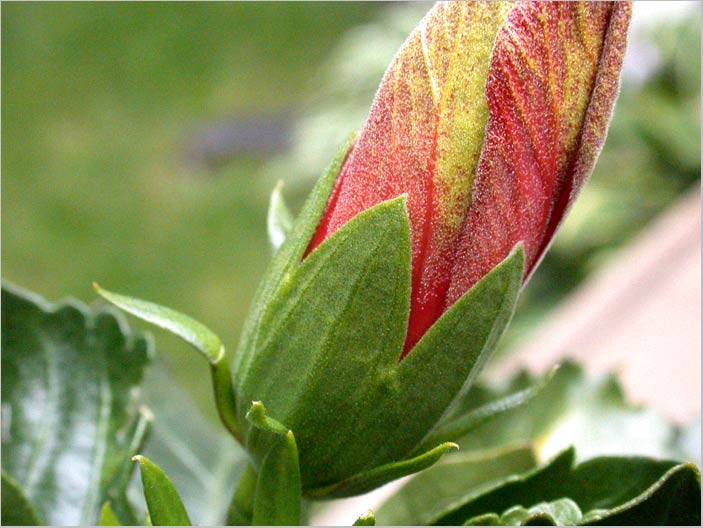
(224, 397)
(241, 509)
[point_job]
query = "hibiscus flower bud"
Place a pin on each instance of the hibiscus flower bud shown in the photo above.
(483, 173)
(402, 271)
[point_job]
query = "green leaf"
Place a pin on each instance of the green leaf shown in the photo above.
(279, 220)
(370, 480)
(195, 334)
(615, 492)
(610, 490)
(202, 460)
(16, 509)
(108, 517)
(191, 331)
(561, 512)
(433, 491)
(461, 421)
(367, 519)
(162, 499)
(71, 421)
(572, 409)
(277, 501)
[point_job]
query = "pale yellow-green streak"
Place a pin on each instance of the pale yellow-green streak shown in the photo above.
(457, 44)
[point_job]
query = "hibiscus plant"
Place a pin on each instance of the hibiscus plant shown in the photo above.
(358, 361)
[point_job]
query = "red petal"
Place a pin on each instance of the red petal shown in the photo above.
(552, 85)
(423, 137)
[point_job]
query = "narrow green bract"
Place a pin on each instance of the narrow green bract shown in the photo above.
(162, 499)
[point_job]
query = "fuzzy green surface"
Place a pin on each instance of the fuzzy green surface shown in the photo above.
(322, 344)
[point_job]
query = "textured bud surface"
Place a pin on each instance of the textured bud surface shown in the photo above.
(490, 118)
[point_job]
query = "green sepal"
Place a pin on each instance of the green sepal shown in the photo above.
(288, 256)
(279, 220)
(200, 457)
(162, 499)
(366, 519)
(446, 361)
(323, 341)
(370, 480)
(16, 508)
(327, 354)
(191, 331)
(348, 299)
(107, 516)
(200, 337)
(277, 501)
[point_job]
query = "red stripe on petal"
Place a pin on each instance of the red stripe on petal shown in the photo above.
(551, 89)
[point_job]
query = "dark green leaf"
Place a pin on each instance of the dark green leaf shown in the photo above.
(488, 519)
(16, 509)
(673, 498)
(162, 499)
(71, 421)
(501, 494)
(561, 512)
(277, 501)
(448, 482)
(609, 490)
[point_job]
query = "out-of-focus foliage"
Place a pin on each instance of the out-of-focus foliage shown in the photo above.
(102, 111)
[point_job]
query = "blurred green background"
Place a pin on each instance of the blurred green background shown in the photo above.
(141, 141)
